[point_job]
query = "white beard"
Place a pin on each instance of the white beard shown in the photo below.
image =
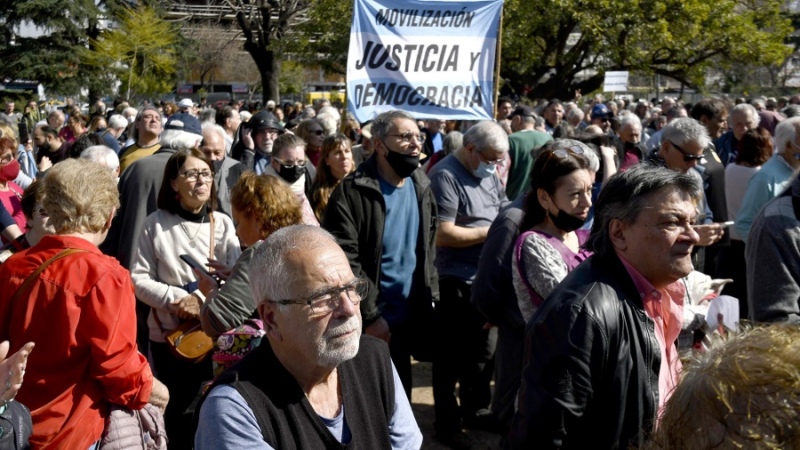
(332, 353)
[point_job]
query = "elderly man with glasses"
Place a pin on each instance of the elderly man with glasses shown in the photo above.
(319, 383)
(469, 196)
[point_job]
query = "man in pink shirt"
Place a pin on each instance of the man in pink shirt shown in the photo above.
(600, 352)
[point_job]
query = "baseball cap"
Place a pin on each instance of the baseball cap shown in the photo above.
(184, 122)
(600, 110)
(522, 110)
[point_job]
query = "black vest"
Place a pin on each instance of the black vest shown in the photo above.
(287, 419)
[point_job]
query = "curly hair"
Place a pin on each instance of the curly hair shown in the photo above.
(744, 392)
(325, 182)
(269, 200)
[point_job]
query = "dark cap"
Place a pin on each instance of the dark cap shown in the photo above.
(522, 110)
(264, 120)
(601, 111)
(184, 122)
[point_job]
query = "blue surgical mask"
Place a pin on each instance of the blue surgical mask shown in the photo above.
(485, 169)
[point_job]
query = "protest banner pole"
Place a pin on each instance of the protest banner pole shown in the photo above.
(497, 63)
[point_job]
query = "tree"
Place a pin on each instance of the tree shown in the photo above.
(141, 52)
(264, 24)
(51, 58)
(557, 46)
(550, 48)
(209, 50)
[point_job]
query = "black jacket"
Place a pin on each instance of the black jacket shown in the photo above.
(356, 214)
(592, 364)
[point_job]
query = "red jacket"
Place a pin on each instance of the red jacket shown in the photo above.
(81, 315)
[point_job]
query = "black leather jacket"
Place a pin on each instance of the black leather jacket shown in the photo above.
(592, 363)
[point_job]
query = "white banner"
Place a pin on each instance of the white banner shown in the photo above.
(433, 59)
(615, 82)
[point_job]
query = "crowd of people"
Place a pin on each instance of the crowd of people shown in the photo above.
(578, 273)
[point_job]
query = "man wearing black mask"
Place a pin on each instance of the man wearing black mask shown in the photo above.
(289, 163)
(384, 217)
(630, 148)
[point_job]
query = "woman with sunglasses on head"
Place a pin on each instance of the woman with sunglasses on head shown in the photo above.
(335, 164)
(184, 224)
(311, 131)
(555, 209)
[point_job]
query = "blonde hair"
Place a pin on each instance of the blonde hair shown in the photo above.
(742, 393)
(7, 132)
(79, 196)
(267, 199)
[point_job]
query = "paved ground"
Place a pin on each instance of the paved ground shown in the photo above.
(422, 404)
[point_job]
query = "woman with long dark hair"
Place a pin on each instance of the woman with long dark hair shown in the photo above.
(335, 163)
(555, 209)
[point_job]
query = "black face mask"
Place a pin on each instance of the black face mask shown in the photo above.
(291, 174)
(403, 165)
(566, 222)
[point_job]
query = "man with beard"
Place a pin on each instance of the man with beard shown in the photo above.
(49, 148)
(226, 170)
(327, 385)
(253, 148)
(384, 217)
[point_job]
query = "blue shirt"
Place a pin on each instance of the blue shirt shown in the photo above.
(227, 422)
(399, 249)
(765, 185)
(436, 140)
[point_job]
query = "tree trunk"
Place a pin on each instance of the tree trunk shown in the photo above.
(273, 91)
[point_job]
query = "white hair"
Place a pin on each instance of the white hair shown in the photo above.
(746, 108)
(487, 134)
(786, 132)
(102, 155)
(117, 121)
(180, 140)
(214, 128)
(330, 110)
(627, 118)
(684, 130)
(328, 122)
(245, 115)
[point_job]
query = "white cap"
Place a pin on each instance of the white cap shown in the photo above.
(186, 103)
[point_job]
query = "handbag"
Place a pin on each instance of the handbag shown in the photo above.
(188, 341)
(128, 429)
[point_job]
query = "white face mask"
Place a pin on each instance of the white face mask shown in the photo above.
(485, 169)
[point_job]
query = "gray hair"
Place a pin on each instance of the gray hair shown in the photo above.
(452, 142)
(566, 144)
(786, 132)
(117, 121)
(627, 118)
(328, 122)
(180, 140)
(684, 130)
(750, 110)
(486, 134)
(791, 111)
(626, 194)
(270, 278)
(330, 110)
(575, 112)
(245, 115)
(381, 124)
(208, 115)
(307, 113)
(214, 128)
(135, 129)
(102, 155)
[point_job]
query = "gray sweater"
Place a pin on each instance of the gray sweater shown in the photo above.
(229, 306)
(773, 261)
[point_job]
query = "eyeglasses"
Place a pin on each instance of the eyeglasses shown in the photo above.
(290, 164)
(687, 157)
(498, 162)
(193, 175)
(406, 137)
(326, 301)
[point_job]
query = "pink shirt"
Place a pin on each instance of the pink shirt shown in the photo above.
(667, 317)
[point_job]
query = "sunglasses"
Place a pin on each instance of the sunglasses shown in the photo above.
(687, 157)
(318, 132)
(562, 153)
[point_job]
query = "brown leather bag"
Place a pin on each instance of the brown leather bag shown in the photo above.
(188, 341)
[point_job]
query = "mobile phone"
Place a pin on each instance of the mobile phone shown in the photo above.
(194, 264)
(727, 224)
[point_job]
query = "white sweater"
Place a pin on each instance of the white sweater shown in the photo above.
(159, 274)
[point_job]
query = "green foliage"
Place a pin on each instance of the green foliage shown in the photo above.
(141, 53)
(51, 59)
(324, 37)
(547, 44)
(291, 78)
